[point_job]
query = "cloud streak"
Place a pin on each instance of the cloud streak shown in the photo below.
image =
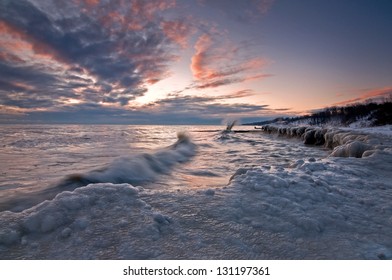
(172, 110)
(218, 63)
(374, 94)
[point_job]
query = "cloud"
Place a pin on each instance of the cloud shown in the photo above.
(213, 107)
(238, 94)
(282, 109)
(178, 31)
(263, 6)
(93, 51)
(81, 57)
(174, 110)
(218, 63)
(374, 94)
(246, 11)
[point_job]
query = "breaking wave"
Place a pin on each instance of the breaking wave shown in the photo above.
(134, 170)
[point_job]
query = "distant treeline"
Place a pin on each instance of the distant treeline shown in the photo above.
(376, 113)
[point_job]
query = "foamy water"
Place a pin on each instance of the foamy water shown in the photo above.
(86, 192)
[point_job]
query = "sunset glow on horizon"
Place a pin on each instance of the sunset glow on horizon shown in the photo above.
(200, 61)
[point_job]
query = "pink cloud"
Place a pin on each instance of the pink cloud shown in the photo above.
(92, 2)
(178, 31)
(121, 15)
(372, 94)
(217, 63)
(263, 6)
(199, 62)
(19, 47)
(148, 9)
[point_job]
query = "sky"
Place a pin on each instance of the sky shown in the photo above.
(189, 62)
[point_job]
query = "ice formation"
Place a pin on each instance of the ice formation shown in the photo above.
(336, 207)
(344, 143)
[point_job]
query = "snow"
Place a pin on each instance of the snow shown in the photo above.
(385, 130)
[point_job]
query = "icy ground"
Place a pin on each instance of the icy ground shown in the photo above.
(310, 208)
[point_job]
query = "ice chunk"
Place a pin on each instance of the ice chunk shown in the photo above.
(351, 149)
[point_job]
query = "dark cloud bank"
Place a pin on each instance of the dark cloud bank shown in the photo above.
(84, 62)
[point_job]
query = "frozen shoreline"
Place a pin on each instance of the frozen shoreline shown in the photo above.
(315, 208)
(344, 142)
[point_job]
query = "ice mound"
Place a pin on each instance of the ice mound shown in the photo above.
(50, 215)
(90, 215)
(330, 199)
(351, 149)
(344, 143)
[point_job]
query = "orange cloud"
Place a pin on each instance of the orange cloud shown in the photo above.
(92, 2)
(11, 39)
(23, 86)
(199, 61)
(216, 64)
(372, 94)
(178, 31)
(17, 46)
(125, 15)
(148, 9)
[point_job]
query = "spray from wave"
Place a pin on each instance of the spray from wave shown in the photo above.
(230, 124)
(226, 134)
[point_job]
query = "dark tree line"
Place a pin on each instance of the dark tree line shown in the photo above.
(376, 113)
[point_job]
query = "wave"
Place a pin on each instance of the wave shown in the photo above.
(135, 170)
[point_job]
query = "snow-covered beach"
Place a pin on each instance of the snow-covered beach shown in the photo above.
(140, 194)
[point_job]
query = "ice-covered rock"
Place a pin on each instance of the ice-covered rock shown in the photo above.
(344, 143)
(351, 149)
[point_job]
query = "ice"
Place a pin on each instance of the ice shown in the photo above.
(334, 207)
(51, 219)
(351, 149)
(66, 232)
(345, 143)
(9, 236)
(385, 130)
(286, 200)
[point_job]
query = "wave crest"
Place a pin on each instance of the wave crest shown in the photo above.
(134, 170)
